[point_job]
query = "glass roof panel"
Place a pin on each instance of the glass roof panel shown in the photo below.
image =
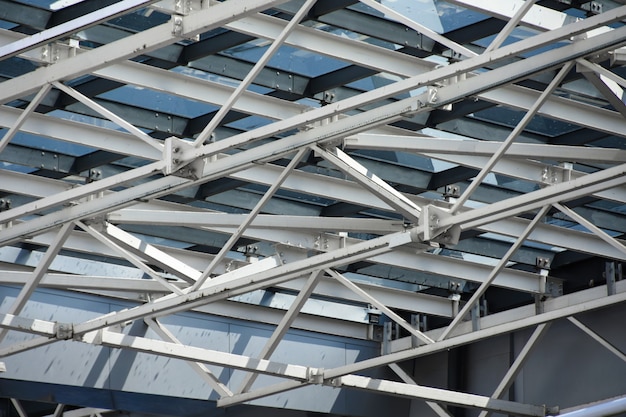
(157, 101)
(287, 58)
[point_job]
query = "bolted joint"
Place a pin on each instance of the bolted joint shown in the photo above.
(430, 220)
(451, 191)
(315, 375)
(176, 162)
(542, 263)
(64, 331)
(5, 204)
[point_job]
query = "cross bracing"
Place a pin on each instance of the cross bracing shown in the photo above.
(421, 177)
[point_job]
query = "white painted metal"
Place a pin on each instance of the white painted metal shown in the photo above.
(311, 243)
(496, 270)
(72, 26)
(283, 326)
(25, 114)
(392, 315)
(31, 284)
(371, 182)
(438, 395)
(204, 372)
(141, 42)
(109, 115)
(254, 72)
(510, 25)
(493, 160)
(406, 378)
(459, 49)
(510, 324)
(129, 256)
(249, 219)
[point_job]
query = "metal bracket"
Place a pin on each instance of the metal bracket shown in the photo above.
(179, 7)
(554, 287)
(5, 204)
(288, 253)
(430, 218)
(609, 275)
(64, 331)
(451, 192)
(178, 29)
(593, 7)
(315, 375)
(176, 165)
(552, 174)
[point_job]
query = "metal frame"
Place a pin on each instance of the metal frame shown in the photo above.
(301, 161)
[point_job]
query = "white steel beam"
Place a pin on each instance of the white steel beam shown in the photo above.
(17, 405)
(72, 26)
(204, 372)
(591, 227)
(191, 353)
(133, 259)
(386, 11)
(510, 26)
(565, 191)
(187, 86)
(609, 90)
(226, 220)
(332, 188)
(578, 302)
(538, 17)
(249, 219)
(407, 379)
(230, 284)
(519, 128)
(372, 57)
(58, 411)
(460, 147)
(382, 307)
(152, 254)
(496, 270)
(439, 395)
(371, 182)
(324, 43)
(80, 133)
(536, 172)
(138, 133)
(34, 280)
(284, 325)
(76, 193)
(142, 42)
(254, 72)
(22, 117)
(468, 87)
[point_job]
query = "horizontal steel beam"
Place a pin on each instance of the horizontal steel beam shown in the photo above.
(438, 395)
(131, 46)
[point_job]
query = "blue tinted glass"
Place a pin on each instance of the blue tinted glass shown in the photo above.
(287, 58)
(157, 101)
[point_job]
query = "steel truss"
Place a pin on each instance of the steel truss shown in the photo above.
(309, 206)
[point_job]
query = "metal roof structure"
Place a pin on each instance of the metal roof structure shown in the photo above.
(420, 174)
